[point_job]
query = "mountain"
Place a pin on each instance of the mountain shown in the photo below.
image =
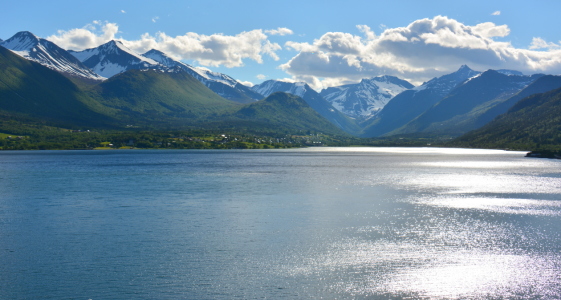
(409, 104)
(222, 84)
(283, 111)
(31, 91)
(160, 98)
(113, 58)
(457, 113)
(46, 53)
(532, 123)
(144, 98)
(313, 98)
(541, 85)
(363, 100)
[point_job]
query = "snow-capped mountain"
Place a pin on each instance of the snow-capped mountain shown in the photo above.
(313, 98)
(409, 104)
(31, 47)
(363, 100)
(270, 86)
(444, 84)
(113, 58)
(222, 84)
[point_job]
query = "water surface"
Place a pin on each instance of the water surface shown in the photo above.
(345, 223)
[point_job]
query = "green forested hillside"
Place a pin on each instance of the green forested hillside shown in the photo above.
(155, 93)
(33, 96)
(533, 123)
(282, 110)
(31, 91)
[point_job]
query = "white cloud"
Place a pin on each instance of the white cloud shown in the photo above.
(208, 50)
(261, 77)
(423, 49)
(497, 13)
(154, 19)
(123, 11)
(91, 35)
(279, 31)
(539, 43)
(367, 31)
(246, 83)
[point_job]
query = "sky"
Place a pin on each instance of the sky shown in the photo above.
(324, 43)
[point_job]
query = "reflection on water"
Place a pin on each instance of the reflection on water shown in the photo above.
(500, 205)
(344, 223)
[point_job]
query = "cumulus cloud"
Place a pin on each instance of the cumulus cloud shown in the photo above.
(261, 77)
(91, 35)
(123, 11)
(246, 83)
(155, 19)
(208, 50)
(539, 43)
(424, 49)
(279, 31)
(496, 13)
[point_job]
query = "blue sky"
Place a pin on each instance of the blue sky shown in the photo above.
(324, 43)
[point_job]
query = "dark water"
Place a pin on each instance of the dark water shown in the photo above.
(347, 223)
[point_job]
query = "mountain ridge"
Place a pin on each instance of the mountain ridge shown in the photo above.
(222, 84)
(44, 52)
(409, 104)
(366, 98)
(313, 98)
(456, 113)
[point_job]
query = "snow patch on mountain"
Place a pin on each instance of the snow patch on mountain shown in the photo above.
(48, 54)
(365, 99)
(113, 58)
(222, 84)
(271, 86)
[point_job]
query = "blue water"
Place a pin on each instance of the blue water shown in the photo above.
(337, 223)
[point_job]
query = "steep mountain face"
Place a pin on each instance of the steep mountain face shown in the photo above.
(34, 92)
(541, 85)
(113, 58)
(284, 111)
(313, 98)
(457, 113)
(48, 54)
(534, 122)
(222, 84)
(409, 104)
(363, 100)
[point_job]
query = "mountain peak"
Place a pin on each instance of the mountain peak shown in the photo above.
(21, 41)
(464, 68)
(47, 53)
(114, 57)
(153, 52)
(26, 34)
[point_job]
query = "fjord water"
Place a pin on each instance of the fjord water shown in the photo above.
(344, 223)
